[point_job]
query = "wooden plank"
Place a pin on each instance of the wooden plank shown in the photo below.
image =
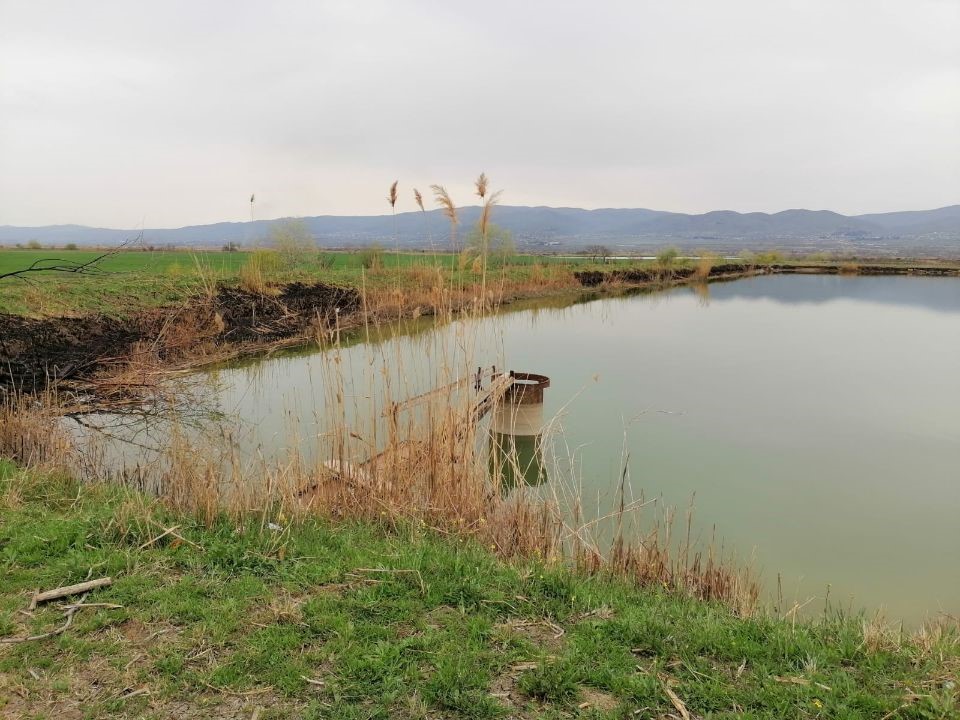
(423, 397)
(497, 389)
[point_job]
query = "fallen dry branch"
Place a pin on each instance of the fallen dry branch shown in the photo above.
(235, 693)
(172, 531)
(168, 531)
(71, 611)
(90, 267)
(108, 606)
(800, 681)
(675, 699)
(29, 638)
(66, 590)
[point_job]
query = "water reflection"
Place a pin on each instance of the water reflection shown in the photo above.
(516, 439)
(941, 294)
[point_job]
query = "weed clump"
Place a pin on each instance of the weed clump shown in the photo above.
(551, 681)
(256, 271)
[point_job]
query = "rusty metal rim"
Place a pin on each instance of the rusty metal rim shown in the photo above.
(530, 380)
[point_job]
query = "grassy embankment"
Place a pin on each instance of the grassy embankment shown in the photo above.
(234, 619)
(132, 281)
(391, 619)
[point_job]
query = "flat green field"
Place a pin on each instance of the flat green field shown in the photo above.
(161, 262)
(133, 280)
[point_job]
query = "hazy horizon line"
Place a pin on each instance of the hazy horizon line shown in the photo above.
(145, 226)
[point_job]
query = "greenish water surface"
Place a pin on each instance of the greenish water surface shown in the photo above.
(816, 419)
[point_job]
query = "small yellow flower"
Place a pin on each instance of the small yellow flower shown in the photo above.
(817, 703)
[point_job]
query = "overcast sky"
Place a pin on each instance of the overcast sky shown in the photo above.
(161, 114)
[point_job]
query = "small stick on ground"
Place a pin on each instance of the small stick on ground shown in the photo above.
(675, 699)
(109, 606)
(77, 589)
(178, 536)
(161, 536)
(236, 693)
(63, 628)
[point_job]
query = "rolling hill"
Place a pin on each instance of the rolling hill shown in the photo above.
(930, 232)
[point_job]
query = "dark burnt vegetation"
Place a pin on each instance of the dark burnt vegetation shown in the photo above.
(654, 274)
(38, 353)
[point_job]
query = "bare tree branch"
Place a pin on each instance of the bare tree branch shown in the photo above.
(90, 267)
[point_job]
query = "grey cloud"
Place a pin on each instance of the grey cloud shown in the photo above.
(175, 112)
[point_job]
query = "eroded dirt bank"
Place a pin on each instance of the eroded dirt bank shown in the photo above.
(653, 276)
(649, 276)
(36, 352)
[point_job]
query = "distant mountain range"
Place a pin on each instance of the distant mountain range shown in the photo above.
(927, 232)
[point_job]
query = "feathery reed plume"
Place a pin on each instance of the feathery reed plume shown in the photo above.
(446, 202)
(449, 209)
(392, 197)
(482, 185)
(484, 227)
(419, 198)
(485, 214)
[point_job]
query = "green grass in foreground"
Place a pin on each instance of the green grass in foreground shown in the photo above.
(361, 621)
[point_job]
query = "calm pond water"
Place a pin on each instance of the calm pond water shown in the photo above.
(815, 418)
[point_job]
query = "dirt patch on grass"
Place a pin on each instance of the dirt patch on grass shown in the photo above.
(122, 685)
(98, 691)
(540, 633)
(67, 693)
(504, 689)
(594, 699)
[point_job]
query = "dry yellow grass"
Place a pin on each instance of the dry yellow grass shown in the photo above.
(426, 466)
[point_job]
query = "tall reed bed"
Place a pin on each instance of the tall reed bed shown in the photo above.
(371, 453)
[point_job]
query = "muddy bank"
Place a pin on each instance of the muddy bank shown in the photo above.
(726, 271)
(643, 276)
(867, 269)
(34, 352)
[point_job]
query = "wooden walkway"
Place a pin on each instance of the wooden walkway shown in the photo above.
(486, 399)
